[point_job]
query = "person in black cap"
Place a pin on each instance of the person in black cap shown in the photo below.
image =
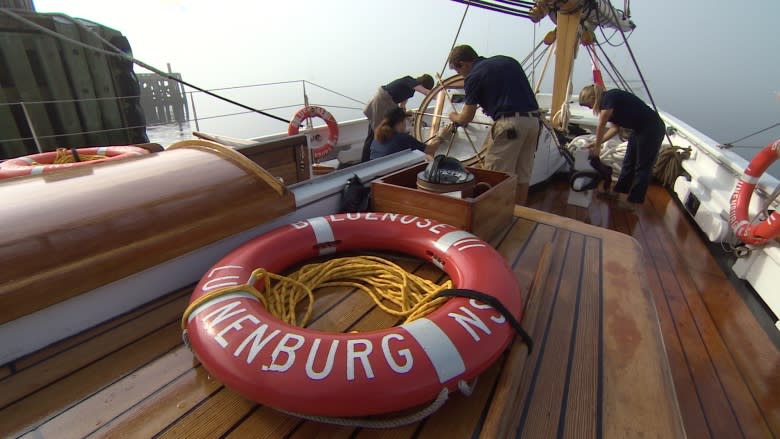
(391, 136)
(390, 96)
(499, 85)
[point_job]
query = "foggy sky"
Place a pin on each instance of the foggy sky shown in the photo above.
(711, 63)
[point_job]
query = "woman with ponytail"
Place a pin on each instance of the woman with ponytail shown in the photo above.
(391, 137)
(624, 110)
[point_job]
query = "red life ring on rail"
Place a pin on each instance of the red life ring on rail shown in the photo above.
(754, 234)
(356, 374)
(330, 121)
(42, 163)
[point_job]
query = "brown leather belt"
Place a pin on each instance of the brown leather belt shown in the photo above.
(519, 114)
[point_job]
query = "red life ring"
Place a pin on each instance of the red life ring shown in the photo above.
(356, 374)
(754, 234)
(44, 162)
(330, 121)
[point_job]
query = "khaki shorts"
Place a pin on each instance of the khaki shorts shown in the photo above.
(513, 156)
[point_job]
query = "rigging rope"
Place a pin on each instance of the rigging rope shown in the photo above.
(731, 144)
(120, 54)
(621, 82)
(457, 34)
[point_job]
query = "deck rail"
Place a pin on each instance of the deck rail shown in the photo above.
(301, 100)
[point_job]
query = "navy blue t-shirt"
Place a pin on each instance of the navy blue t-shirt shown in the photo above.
(401, 89)
(498, 84)
(628, 111)
(399, 142)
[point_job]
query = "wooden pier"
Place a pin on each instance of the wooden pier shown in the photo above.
(163, 101)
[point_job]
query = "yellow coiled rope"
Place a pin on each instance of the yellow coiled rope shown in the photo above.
(393, 289)
(64, 155)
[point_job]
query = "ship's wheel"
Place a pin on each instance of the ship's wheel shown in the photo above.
(468, 144)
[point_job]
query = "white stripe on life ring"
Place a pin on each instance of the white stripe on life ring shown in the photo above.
(27, 159)
(102, 150)
(226, 297)
(323, 232)
(449, 239)
(441, 351)
(749, 179)
(37, 170)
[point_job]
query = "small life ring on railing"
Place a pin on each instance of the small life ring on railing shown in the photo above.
(46, 162)
(352, 374)
(754, 234)
(312, 112)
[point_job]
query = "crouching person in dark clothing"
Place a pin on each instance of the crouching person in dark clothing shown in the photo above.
(623, 109)
(390, 96)
(391, 137)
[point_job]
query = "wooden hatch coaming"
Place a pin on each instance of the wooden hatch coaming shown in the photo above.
(132, 377)
(67, 233)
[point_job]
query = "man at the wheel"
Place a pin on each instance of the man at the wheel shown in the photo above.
(499, 85)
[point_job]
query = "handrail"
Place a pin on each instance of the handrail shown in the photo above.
(195, 119)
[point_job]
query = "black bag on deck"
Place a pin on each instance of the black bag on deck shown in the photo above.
(354, 196)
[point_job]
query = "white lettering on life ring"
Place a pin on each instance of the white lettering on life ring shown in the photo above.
(321, 375)
(362, 355)
(406, 354)
(220, 337)
(498, 319)
(470, 322)
(289, 351)
(221, 281)
(258, 340)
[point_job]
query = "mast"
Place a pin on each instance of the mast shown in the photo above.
(575, 20)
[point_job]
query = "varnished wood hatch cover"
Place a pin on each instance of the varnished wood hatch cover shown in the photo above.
(69, 232)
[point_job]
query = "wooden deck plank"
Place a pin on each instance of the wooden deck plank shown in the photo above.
(580, 407)
(748, 346)
(110, 402)
(38, 376)
(717, 407)
(676, 223)
(76, 340)
(553, 349)
(560, 241)
(58, 396)
(685, 387)
(311, 430)
(212, 418)
(167, 404)
(753, 422)
(461, 414)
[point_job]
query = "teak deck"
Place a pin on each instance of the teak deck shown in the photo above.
(598, 368)
(723, 350)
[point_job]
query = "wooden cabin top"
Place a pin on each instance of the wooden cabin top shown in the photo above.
(598, 369)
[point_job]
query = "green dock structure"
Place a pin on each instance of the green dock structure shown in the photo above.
(54, 93)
